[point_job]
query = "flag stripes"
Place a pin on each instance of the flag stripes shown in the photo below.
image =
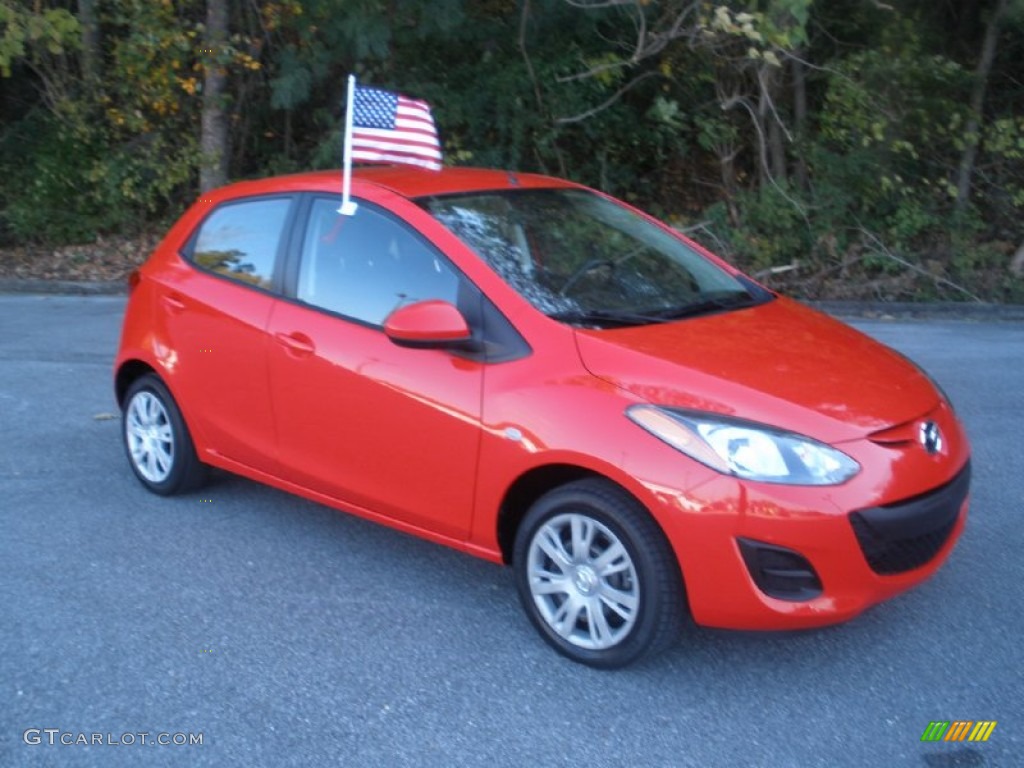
(391, 128)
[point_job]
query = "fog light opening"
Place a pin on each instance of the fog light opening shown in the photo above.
(779, 572)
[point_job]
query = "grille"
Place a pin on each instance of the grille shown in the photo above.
(903, 536)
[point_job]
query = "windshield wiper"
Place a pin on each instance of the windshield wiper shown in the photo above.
(606, 317)
(710, 304)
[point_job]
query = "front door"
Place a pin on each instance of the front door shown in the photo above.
(390, 429)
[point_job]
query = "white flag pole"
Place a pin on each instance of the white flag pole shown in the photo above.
(348, 206)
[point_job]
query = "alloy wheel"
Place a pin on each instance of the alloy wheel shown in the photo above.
(583, 581)
(150, 436)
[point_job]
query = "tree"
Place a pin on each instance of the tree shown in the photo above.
(91, 52)
(23, 29)
(974, 120)
(213, 142)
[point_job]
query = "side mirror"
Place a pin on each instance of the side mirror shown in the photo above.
(428, 324)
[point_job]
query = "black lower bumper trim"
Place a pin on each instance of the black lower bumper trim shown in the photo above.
(780, 572)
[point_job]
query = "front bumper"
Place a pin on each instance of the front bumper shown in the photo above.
(762, 557)
(723, 592)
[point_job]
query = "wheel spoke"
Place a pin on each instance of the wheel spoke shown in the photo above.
(613, 560)
(163, 458)
(150, 460)
(623, 603)
(548, 541)
(546, 583)
(565, 618)
(582, 536)
(133, 418)
(597, 623)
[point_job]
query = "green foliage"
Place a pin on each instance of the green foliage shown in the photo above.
(72, 183)
(770, 231)
(112, 159)
(45, 168)
(680, 124)
(23, 28)
(765, 29)
(902, 113)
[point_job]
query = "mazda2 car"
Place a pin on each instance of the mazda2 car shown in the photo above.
(532, 372)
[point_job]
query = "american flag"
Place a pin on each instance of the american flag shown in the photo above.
(390, 128)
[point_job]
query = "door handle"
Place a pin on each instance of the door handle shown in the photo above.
(299, 343)
(174, 302)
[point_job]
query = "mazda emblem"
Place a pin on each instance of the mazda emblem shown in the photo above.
(930, 437)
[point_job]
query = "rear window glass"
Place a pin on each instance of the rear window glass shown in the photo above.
(240, 240)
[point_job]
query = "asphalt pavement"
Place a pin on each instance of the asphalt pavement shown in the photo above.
(282, 633)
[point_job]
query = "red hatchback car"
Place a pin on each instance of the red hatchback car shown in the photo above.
(537, 374)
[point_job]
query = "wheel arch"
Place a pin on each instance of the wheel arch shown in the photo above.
(539, 480)
(127, 373)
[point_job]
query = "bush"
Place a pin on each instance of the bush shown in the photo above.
(66, 183)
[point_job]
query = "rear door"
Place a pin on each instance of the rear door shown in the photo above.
(215, 307)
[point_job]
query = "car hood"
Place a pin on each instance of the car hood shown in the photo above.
(777, 363)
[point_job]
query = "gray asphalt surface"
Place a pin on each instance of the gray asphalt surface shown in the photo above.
(288, 634)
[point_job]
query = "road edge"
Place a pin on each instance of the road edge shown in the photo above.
(880, 310)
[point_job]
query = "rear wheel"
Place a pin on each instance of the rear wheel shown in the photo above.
(159, 447)
(596, 575)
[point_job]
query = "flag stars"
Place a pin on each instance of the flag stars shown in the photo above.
(375, 108)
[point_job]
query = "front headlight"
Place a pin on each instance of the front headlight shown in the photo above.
(746, 449)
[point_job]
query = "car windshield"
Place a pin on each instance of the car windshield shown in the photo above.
(583, 259)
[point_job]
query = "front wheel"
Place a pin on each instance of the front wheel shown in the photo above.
(157, 442)
(596, 575)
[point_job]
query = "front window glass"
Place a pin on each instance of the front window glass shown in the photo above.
(583, 259)
(367, 265)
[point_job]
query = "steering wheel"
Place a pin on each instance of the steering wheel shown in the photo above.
(596, 263)
(586, 268)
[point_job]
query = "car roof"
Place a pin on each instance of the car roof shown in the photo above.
(407, 181)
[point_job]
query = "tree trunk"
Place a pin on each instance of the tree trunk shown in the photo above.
(800, 121)
(1017, 262)
(981, 74)
(90, 41)
(777, 151)
(214, 139)
(770, 133)
(727, 164)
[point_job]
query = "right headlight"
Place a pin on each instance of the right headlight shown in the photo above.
(746, 449)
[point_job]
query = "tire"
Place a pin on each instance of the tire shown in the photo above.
(157, 442)
(597, 576)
